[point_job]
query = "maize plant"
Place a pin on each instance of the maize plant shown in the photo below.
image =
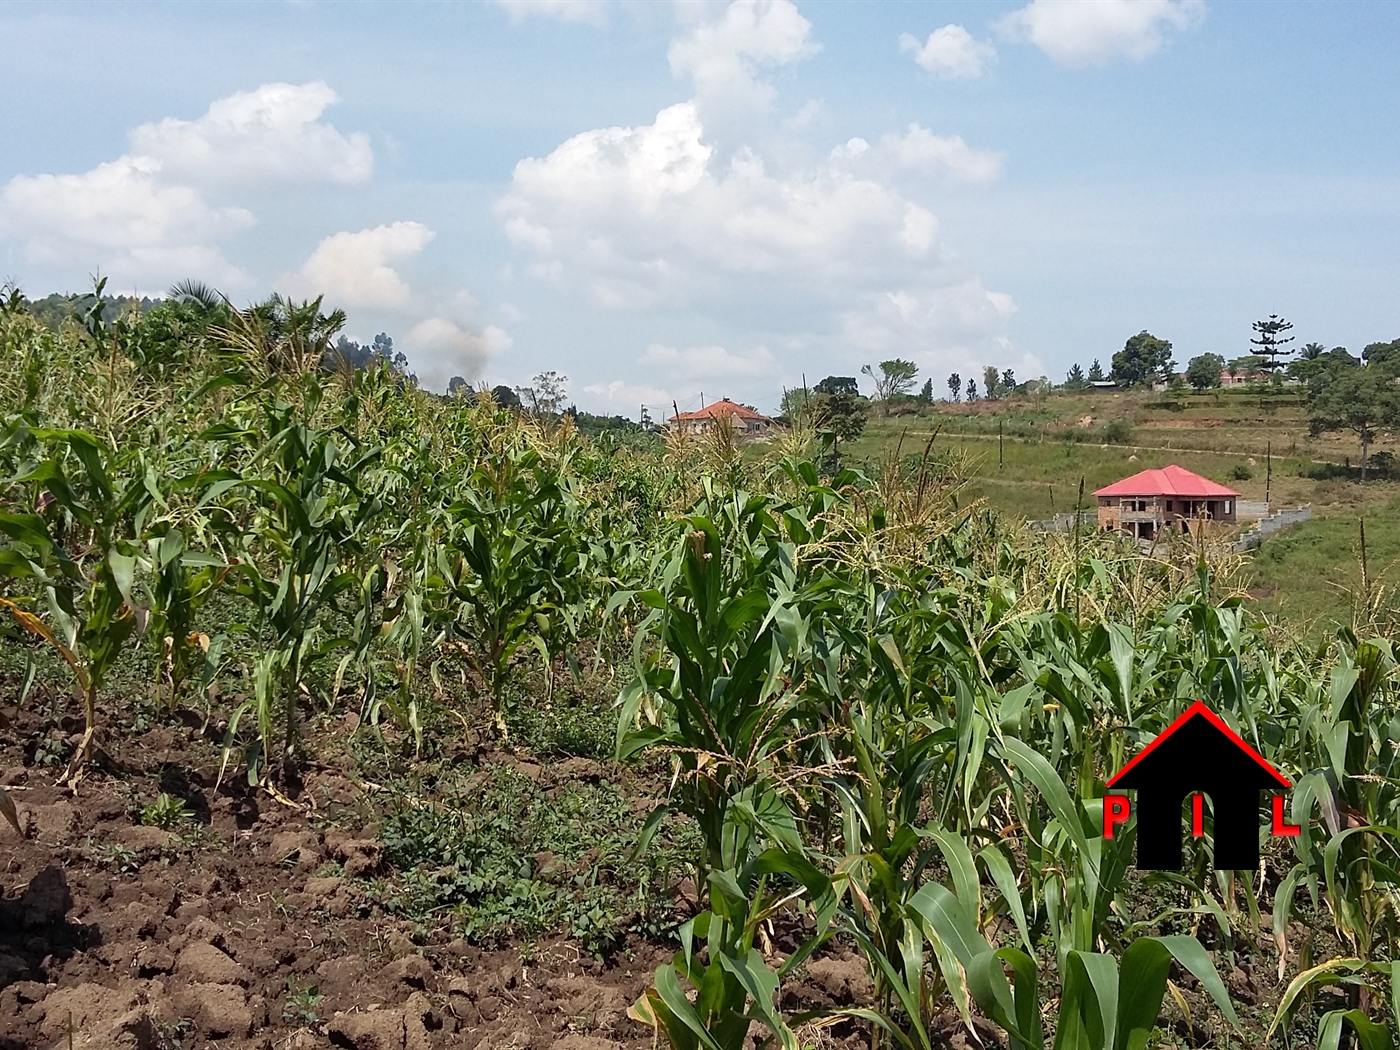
(307, 522)
(81, 548)
(511, 565)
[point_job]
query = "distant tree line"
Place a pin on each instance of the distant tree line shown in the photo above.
(1343, 392)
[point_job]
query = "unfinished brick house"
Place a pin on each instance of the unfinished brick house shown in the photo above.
(1170, 498)
(746, 421)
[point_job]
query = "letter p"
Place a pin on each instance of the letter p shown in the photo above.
(1116, 810)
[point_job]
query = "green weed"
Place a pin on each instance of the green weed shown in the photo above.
(168, 812)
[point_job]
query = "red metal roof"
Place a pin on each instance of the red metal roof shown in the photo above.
(1200, 710)
(724, 407)
(1168, 481)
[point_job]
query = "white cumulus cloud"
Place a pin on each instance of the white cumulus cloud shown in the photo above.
(353, 269)
(642, 215)
(949, 326)
(950, 53)
(919, 149)
(123, 217)
(592, 12)
(754, 262)
(627, 398)
(723, 55)
(1079, 33)
(708, 362)
(272, 134)
(158, 213)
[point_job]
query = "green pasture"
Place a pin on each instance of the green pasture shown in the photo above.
(1033, 468)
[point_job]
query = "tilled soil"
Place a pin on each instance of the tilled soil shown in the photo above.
(119, 935)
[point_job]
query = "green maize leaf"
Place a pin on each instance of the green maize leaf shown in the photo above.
(1193, 957)
(1142, 984)
(1328, 972)
(1369, 1035)
(727, 899)
(761, 984)
(908, 999)
(27, 528)
(796, 865)
(649, 828)
(123, 568)
(202, 560)
(962, 868)
(1019, 1014)
(1088, 1003)
(1395, 995)
(1332, 851)
(1051, 788)
(674, 998)
(947, 918)
(16, 567)
(1004, 878)
(1283, 911)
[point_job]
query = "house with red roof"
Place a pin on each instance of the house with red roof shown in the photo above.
(744, 419)
(1171, 498)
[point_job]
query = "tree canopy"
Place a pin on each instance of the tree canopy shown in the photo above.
(838, 385)
(1143, 359)
(1364, 399)
(895, 378)
(1272, 341)
(1203, 371)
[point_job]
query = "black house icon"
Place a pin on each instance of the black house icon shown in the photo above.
(1198, 752)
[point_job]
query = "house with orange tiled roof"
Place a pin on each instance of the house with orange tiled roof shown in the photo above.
(1171, 498)
(744, 419)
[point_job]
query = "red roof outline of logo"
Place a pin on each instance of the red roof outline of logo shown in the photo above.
(1199, 708)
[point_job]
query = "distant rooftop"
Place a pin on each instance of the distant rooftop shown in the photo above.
(1167, 481)
(723, 407)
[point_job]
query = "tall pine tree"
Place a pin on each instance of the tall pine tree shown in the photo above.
(1272, 343)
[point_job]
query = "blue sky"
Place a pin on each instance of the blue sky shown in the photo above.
(661, 200)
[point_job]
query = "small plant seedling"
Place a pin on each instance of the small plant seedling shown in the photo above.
(119, 858)
(166, 812)
(301, 1003)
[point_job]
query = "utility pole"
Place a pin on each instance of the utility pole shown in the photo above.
(1001, 446)
(1268, 470)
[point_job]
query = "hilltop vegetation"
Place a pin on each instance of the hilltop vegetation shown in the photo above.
(761, 706)
(1027, 454)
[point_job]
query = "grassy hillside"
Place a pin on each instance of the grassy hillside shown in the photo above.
(1048, 444)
